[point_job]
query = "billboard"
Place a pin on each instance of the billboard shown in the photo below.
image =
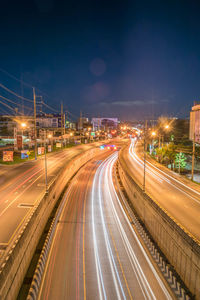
(40, 150)
(7, 155)
(19, 141)
(25, 154)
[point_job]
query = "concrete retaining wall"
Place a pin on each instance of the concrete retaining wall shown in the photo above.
(14, 268)
(180, 248)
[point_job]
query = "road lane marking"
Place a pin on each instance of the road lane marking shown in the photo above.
(136, 238)
(115, 274)
(120, 264)
(47, 264)
(100, 282)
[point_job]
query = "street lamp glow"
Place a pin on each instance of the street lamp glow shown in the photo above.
(153, 133)
(71, 133)
(49, 136)
(167, 127)
(23, 125)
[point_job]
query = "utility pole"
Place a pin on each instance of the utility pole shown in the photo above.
(193, 148)
(144, 177)
(64, 123)
(61, 118)
(81, 121)
(22, 92)
(45, 160)
(35, 129)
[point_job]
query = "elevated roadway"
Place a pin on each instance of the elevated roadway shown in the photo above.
(179, 198)
(95, 252)
(22, 186)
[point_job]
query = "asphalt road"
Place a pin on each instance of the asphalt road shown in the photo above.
(180, 200)
(95, 252)
(21, 187)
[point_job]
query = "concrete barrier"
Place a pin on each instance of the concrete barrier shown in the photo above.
(18, 259)
(181, 249)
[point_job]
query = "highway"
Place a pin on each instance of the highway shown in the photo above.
(95, 252)
(22, 186)
(180, 200)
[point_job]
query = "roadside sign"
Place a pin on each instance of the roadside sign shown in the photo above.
(7, 155)
(19, 141)
(49, 148)
(58, 145)
(92, 133)
(24, 154)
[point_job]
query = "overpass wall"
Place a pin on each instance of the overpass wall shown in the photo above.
(181, 249)
(16, 263)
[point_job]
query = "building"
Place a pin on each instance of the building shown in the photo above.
(82, 123)
(104, 123)
(10, 123)
(195, 123)
(50, 121)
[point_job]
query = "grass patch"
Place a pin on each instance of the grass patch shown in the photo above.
(17, 155)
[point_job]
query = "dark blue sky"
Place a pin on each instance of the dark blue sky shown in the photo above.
(132, 59)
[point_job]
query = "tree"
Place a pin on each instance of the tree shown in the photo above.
(171, 154)
(180, 161)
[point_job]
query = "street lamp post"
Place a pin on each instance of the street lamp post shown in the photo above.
(23, 125)
(45, 161)
(144, 177)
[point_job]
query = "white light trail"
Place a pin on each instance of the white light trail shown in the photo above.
(159, 176)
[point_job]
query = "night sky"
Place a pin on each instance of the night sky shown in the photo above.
(129, 59)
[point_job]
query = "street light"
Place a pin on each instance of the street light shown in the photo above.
(23, 126)
(45, 160)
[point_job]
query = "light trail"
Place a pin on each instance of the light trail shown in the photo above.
(158, 176)
(104, 182)
(108, 246)
(125, 238)
(101, 287)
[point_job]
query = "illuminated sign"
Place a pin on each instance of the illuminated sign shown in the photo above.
(7, 155)
(24, 154)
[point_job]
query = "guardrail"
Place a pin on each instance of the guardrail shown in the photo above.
(178, 245)
(16, 263)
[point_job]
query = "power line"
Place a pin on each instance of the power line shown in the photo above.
(49, 107)
(24, 83)
(7, 105)
(15, 103)
(15, 78)
(8, 90)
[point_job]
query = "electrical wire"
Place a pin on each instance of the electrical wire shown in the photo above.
(7, 105)
(49, 107)
(8, 90)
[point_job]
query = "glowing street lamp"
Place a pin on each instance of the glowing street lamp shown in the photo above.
(23, 125)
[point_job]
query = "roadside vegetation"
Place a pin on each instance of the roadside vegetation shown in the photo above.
(172, 147)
